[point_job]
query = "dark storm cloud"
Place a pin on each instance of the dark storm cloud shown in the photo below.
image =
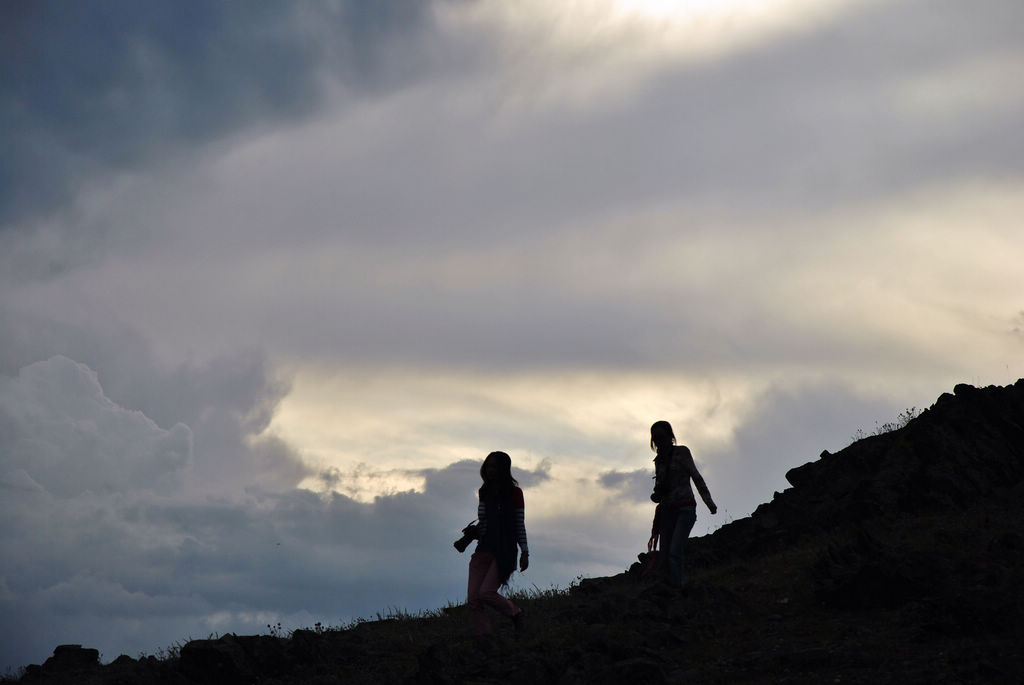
(90, 88)
(468, 471)
(630, 485)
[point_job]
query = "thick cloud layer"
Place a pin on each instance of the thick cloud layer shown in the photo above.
(90, 89)
(274, 279)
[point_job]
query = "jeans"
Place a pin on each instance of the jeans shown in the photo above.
(683, 525)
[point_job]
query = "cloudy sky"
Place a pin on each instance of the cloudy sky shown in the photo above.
(274, 278)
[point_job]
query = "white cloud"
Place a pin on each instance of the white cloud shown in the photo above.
(69, 437)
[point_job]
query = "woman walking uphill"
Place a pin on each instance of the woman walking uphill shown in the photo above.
(677, 508)
(501, 528)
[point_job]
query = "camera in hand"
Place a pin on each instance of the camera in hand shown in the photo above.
(469, 533)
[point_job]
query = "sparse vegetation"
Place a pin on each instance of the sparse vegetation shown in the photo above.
(902, 419)
(524, 595)
(172, 651)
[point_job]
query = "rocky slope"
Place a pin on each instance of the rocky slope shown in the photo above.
(899, 559)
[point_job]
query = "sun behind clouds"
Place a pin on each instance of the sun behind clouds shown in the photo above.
(595, 29)
(684, 9)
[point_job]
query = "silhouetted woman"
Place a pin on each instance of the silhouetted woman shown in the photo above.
(502, 527)
(677, 507)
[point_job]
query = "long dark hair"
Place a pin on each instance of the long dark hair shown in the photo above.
(501, 485)
(663, 451)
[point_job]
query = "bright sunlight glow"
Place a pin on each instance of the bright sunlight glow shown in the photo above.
(690, 9)
(593, 30)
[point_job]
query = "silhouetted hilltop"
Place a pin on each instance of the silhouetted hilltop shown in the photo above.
(899, 559)
(966, 447)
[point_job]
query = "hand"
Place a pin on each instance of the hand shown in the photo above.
(714, 509)
(524, 561)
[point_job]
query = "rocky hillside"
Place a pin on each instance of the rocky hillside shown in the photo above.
(899, 559)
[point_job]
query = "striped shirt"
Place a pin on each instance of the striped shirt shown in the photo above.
(520, 518)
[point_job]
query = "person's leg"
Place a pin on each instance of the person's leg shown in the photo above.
(684, 524)
(667, 527)
(479, 565)
(488, 592)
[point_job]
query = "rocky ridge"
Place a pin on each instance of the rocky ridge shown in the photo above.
(897, 559)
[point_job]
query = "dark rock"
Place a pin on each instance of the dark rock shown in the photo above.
(1007, 545)
(807, 658)
(308, 645)
(962, 390)
(69, 663)
(872, 585)
(267, 654)
(215, 661)
(635, 670)
(866, 574)
(69, 658)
